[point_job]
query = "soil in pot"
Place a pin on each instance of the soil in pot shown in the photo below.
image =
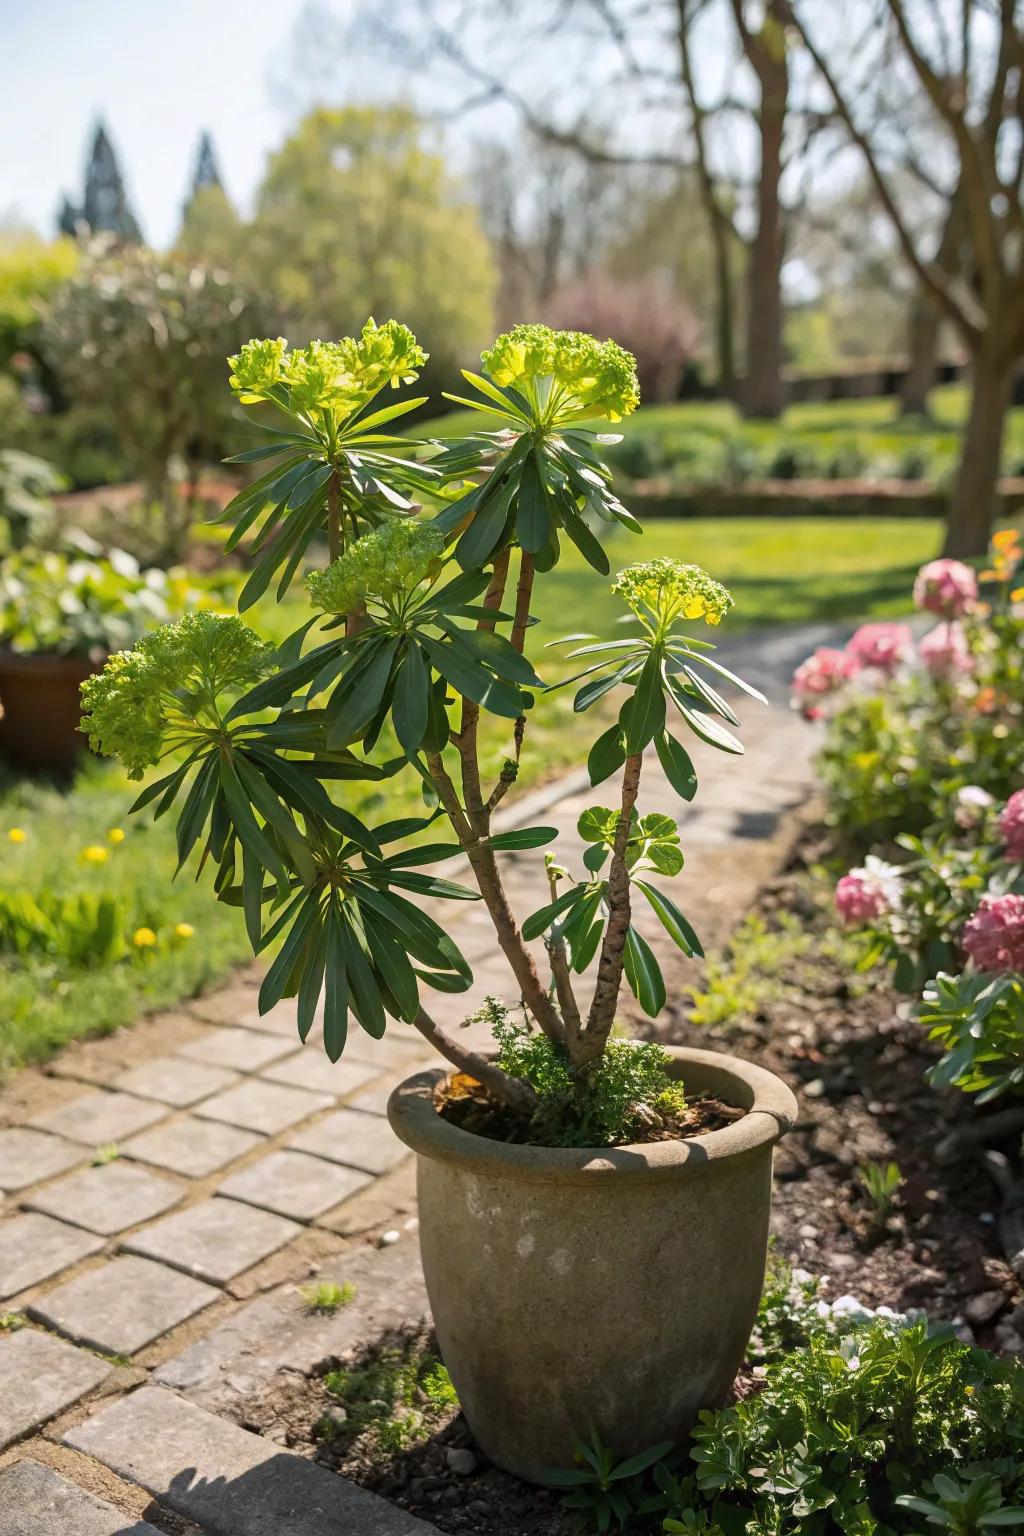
(39, 729)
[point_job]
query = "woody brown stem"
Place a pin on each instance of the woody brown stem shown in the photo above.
(510, 1090)
(563, 982)
(609, 971)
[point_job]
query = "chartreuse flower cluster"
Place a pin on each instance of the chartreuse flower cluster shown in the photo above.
(386, 565)
(587, 377)
(668, 590)
(149, 700)
(334, 376)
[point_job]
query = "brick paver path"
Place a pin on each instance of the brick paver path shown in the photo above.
(159, 1289)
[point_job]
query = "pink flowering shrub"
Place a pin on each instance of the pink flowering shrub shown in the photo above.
(1011, 825)
(994, 937)
(884, 645)
(944, 651)
(866, 894)
(945, 587)
(823, 673)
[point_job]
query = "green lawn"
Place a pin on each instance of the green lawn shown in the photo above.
(779, 572)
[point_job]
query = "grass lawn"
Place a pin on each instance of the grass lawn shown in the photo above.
(805, 569)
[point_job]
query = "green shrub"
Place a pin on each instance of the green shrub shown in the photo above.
(843, 1434)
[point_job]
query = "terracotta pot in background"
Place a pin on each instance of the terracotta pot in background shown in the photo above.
(39, 730)
(613, 1287)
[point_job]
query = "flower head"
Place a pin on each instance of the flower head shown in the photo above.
(94, 854)
(1011, 825)
(670, 590)
(883, 645)
(874, 890)
(175, 672)
(17, 835)
(184, 931)
(994, 936)
(115, 835)
(969, 806)
(143, 938)
(256, 369)
(387, 564)
(335, 376)
(945, 587)
(944, 650)
(599, 377)
(824, 672)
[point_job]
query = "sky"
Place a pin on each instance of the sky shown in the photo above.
(159, 71)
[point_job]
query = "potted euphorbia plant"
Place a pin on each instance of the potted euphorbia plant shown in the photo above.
(591, 1258)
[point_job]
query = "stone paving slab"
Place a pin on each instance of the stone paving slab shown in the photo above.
(36, 1501)
(373, 1101)
(27, 1157)
(192, 1147)
(107, 1199)
(41, 1376)
(266, 1107)
(352, 1137)
(215, 1240)
(176, 1081)
(294, 1185)
(311, 1068)
(277, 1331)
(230, 1481)
(98, 1118)
(34, 1247)
(124, 1306)
(242, 1050)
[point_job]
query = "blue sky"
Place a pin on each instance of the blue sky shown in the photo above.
(159, 71)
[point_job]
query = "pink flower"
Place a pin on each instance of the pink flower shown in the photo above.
(882, 645)
(823, 673)
(863, 895)
(944, 650)
(1011, 825)
(947, 587)
(994, 937)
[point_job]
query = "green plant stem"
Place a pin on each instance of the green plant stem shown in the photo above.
(609, 971)
(510, 1090)
(334, 536)
(489, 883)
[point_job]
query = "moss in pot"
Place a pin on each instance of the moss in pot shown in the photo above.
(600, 1266)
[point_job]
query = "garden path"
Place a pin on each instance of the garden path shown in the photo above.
(175, 1189)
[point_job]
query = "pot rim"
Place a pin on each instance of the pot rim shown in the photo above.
(771, 1110)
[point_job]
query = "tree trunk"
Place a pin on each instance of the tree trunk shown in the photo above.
(973, 503)
(762, 393)
(920, 375)
(926, 318)
(725, 335)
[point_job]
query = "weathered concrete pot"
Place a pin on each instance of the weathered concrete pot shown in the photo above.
(613, 1287)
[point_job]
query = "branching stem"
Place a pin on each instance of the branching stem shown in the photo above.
(510, 1090)
(609, 971)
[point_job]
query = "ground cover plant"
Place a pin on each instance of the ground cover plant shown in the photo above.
(418, 624)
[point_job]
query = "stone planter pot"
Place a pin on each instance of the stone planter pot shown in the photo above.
(613, 1287)
(39, 730)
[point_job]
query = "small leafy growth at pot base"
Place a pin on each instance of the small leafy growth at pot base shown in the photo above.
(625, 1090)
(327, 1296)
(394, 1393)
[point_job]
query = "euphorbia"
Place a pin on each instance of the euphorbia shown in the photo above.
(420, 626)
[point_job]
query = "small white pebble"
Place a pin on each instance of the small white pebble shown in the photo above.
(815, 1089)
(986, 1218)
(387, 1238)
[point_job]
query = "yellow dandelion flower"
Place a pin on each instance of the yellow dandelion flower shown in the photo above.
(116, 835)
(143, 938)
(184, 930)
(17, 835)
(94, 854)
